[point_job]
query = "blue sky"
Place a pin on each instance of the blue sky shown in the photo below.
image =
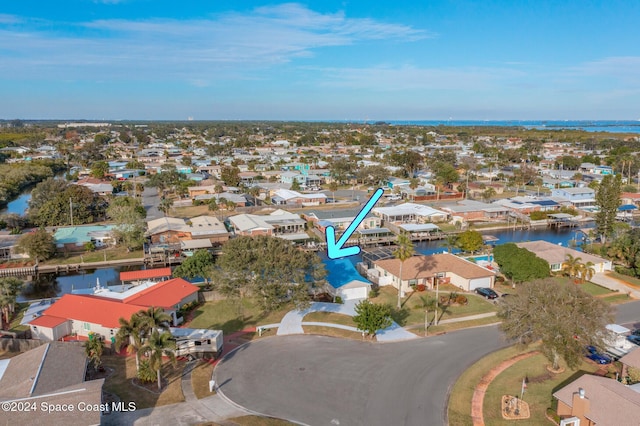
(320, 60)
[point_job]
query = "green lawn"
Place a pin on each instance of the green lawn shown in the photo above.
(412, 312)
(332, 332)
(17, 318)
(96, 256)
(200, 377)
(329, 317)
(229, 316)
(538, 393)
(595, 289)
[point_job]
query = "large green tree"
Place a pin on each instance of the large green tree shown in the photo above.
(560, 315)
(198, 265)
(9, 289)
(272, 269)
(469, 241)
(608, 201)
(75, 202)
(43, 192)
(128, 214)
(99, 169)
(371, 317)
(520, 265)
(39, 245)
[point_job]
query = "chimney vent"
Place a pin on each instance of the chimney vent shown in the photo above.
(581, 393)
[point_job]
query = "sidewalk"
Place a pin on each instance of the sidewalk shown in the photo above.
(615, 284)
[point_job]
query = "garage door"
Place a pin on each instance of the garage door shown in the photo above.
(353, 293)
(479, 282)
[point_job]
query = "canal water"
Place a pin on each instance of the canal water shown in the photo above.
(18, 205)
(342, 271)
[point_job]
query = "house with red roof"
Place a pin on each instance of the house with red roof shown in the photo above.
(99, 313)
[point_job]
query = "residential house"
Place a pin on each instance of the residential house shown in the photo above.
(52, 374)
(172, 230)
(290, 177)
(74, 238)
(597, 401)
(446, 268)
(471, 210)
(340, 219)
(410, 213)
(578, 197)
(145, 275)
(279, 223)
(100, 312)
(289, 197)
(556, 255)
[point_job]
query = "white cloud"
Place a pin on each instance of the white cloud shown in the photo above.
(194, 49)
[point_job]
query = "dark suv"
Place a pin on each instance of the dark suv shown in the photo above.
(486, 292)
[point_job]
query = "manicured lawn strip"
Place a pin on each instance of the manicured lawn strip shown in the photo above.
(539, 389)
(617, 299)
(594, 289)
(119, 382)
(96, 256)
(633, 281)
(413, 310)
(329, 317)
(227, 316)
(192, 211)
(435, 329)
(252, 421)
(200, 377)
(15, 322)
(333, 332)
(459, 404)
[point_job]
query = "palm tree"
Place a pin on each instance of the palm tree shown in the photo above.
(450, 242)
(153, 319)
(9, 289)
(159, 345)
(572, 266)
(165, 205)
(129, 335)
(93, 348)
(403, 252)
(333, 187)
(587, 271)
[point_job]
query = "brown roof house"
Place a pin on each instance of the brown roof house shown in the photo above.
(594, 400)
(51, 374)
(556, 255)
(447, 267)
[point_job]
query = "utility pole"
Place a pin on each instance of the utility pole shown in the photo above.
(71, 210)
(435, 278)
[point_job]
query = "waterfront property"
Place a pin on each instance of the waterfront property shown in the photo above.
(424, 270)
(99, 312)
(172, 230)
(74, 238)
(279, 223)
(144, 275)
(410, 213)
(557, 254)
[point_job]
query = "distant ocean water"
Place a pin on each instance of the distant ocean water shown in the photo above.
(613, 126)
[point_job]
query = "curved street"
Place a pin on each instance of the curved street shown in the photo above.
(318, 380)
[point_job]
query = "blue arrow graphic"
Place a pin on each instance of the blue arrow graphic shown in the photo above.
(335, 250)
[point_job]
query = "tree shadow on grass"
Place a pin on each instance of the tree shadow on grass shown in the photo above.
(574, 376)
(400, 316)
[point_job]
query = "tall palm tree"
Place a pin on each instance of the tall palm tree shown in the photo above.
(153, 319)
(94, 348)
(572, 265)
(158, 345)
(403, 252)
(9, 289)
(129, 335)
(587, 271)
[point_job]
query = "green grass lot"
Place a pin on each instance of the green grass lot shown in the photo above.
(412, 312)
(192, 211)
(330, 317)
(17, 318)
(539, 389)
(124, 370)
(595, 289)
(96, 256)
(635, 282)
(231, 315)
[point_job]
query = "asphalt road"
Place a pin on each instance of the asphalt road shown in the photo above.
(151, 201)
(319, 380)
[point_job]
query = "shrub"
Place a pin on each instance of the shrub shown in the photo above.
(146, 373)
(339, 300)
(374, 292)
(462, 299)
(538, 215)
(421, 287)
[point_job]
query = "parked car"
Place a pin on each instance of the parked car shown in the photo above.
(634, 338)
(597, 356)
(486, 292)
(636, 332)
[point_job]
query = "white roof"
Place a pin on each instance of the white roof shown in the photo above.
(618, 329)
(194, 333)
(195, 244)
(287, 194)
(417, 227)
(408, 209)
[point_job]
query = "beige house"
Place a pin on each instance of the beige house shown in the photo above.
(446, 267)
(556, 255)
(594, 400)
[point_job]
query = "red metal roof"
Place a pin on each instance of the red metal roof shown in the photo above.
(48, 321)
(92, 309)
(145, 274)
(165, 294)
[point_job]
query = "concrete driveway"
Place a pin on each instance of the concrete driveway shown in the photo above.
(319, 380)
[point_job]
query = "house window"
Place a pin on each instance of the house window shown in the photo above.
(86, 326)
(413, 282)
